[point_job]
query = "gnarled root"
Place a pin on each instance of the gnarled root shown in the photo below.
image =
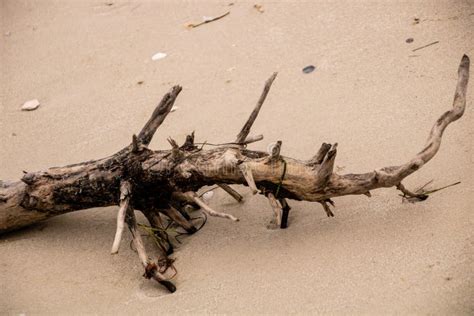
(151, 268)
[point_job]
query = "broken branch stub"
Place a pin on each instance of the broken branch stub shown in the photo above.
(158, 116)
(159, 181)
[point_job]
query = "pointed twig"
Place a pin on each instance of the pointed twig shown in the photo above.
(252, 139)
(248, 125)
(326, 207)
(173, 143)
(442, 188)
(248, 140)
(247, 173)
(192, 25)
(158, 116)
(231, 192)
(326, 168)
(319, 157)
(424, 46)
(175, 152)
(420, 189)
(125, 190)
(207, 209)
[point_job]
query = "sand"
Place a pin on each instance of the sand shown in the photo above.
(374, 96)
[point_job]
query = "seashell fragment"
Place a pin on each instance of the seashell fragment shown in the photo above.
(259, 8)
(158, 56)
(30, 105)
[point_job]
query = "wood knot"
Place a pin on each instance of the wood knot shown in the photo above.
(29, 178)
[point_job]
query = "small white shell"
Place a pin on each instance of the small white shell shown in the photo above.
(207, 196)
(158, 56)
(30, 105)
(174, 108)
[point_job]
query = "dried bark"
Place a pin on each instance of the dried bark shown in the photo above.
(164, 182)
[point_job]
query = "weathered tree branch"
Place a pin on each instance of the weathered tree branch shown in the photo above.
(248, 125)
(158, 116)
(165, 181)
(125, 189)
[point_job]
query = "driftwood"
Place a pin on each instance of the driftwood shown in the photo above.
(163, 184)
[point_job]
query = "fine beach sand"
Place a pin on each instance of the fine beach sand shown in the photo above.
(370, 93)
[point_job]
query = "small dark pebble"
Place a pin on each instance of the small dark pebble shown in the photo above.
(13, 134)
(409, 40)
(309, 69)
(448, 278)
(140, 82)
(109, 4)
